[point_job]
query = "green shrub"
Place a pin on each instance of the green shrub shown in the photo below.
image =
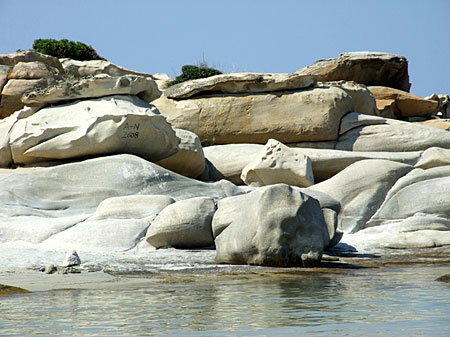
(194, 72)
(65, 48)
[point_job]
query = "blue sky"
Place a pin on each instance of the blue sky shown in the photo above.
(241, 35)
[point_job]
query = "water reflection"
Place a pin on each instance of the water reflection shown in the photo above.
(395, 302)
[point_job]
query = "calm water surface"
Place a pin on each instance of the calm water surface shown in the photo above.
(387, 301)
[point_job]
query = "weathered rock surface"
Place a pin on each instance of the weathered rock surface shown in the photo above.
(369, 68)
(94, 67)
(443, 124)
(280, 227)
(278, 164)
(131, 207)
(400, 104)
(230, 159)
(93, 87)
(361, 95)
(4, 72)
(443, 101)
(6, 126)
(420, 191)
(31, 56)
(25, 70)
(369, 133)
(118, 224)
(326, 163)
(361, 189)
(189, 161)
(239, 83)
(107, 125)
(231, 208)
(185, 224)
(31, 70)
(288, 116)
(434, 157)
(71, 259)
(11, 96)
(61, 207)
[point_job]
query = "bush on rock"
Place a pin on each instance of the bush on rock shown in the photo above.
(65, 48)
(192, 73)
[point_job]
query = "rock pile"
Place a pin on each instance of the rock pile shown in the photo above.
(99, 158)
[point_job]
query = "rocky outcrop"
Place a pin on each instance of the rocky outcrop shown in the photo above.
(101, 204)
(443, 124)
(414, 214)
(239, 83)
(434, 157)
(94, 87)
(394, 103)
(107, 125)
(280, 227)
(25, 71)
(86, 68)
(361, 189)
(230, 159)
(367, 68)
(278, 164)
(288, 116)
(185, 224)
(189, 160)
(362, 97)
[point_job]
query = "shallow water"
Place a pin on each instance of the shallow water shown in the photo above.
(385, 301)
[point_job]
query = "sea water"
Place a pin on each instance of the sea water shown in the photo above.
(197, 298)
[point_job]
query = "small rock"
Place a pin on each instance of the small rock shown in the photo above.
(50, 269)
(71, 259)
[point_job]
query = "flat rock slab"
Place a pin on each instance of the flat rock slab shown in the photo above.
(239, 83)
(93, 87)
(311, 114)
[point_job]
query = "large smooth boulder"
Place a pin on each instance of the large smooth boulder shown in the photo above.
(394, 103)
(288, 116)
(93, 87)
(231, 208)
(280, 227)
(107, 125)
(189, 161)
(369, 68)
(278, 164)
(361, 189)
(239, 83)
(230, 159)
(86, 68)
(185, 224)
(31, 70)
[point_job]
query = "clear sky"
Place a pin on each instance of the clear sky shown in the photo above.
(241, 35)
